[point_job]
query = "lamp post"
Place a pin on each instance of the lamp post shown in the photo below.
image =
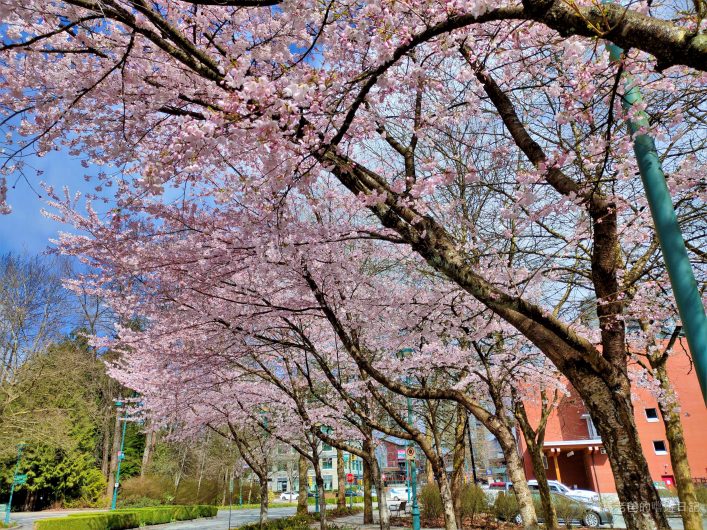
(412, 464)
(16, 480)
(672, 244)
(120, 456)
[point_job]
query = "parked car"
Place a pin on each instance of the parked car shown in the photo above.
(494, 487)
(584, 513)
(559, 487)
(289, 496)
(351, 492)
(668, 498)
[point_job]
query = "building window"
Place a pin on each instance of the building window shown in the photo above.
(327, 463)
(328, 482)
(652, 415)
(591, 429)
(659, 447)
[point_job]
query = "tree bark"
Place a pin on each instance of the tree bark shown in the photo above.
(383, 512)
(367, 497)
(341, 480)
(264, 498)
(450, 521)
(114, 455)
(105, 451)
(608, 400)
(549, 513)
(302, 468)
(320, 489)
(535, 439)
(514, 465)
(146, 452)
(458, 463)
(691, 513)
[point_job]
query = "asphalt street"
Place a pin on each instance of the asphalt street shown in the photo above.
(220, 522)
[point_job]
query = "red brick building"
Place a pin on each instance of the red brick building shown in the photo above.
(574, 451)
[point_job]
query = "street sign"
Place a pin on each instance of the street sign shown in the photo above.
(410, 453)
(349, 478)
(20, 479)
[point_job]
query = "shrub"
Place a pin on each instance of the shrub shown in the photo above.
(126, 518)
(505, 506)
(431, 502)
(701, 493)
(567, 510)
(473, 501)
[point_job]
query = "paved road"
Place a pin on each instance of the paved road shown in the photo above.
(238, 518)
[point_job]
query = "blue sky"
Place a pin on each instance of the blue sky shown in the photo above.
(26, 229)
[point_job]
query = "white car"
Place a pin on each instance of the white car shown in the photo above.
(398, 493)
(289, 496)
(588, 496)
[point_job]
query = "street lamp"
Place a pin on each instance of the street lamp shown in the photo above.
(412, 463)
(16, 480)
(121, 405)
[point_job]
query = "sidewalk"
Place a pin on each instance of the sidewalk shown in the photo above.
(356, 521)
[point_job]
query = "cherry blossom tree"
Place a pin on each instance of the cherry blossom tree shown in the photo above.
(488, 140)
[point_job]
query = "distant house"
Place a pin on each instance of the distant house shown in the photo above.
(574, 452)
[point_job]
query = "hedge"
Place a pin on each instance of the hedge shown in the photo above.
(296, 522)
(126, 518)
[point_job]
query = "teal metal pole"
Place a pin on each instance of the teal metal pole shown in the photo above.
(413, 479)
(14, 481)
(413, 465)
(121, 456)
(677, 262)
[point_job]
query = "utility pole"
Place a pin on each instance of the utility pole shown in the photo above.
(667, 228)
(16, 480)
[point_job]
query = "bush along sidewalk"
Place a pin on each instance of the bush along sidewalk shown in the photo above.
(126, 518)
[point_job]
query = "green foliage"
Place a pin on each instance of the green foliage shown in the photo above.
(297, 522)
(473, 501)
(505, 507)
(150, 490)
(701, 493)
(121, 519)
(431, 502)
(567, 510)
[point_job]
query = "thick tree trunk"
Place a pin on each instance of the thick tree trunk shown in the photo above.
(429, 472)
(450, 521)
(114, 455)
(341, 480)
(536, 457)
(146, 452)
(105, 450)
(367, 497)
(383, 511)
(302, 468)
(608, 400)
(691, 513)
(458, 463)
(514, 465)
(322, 500)
(264, 499)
